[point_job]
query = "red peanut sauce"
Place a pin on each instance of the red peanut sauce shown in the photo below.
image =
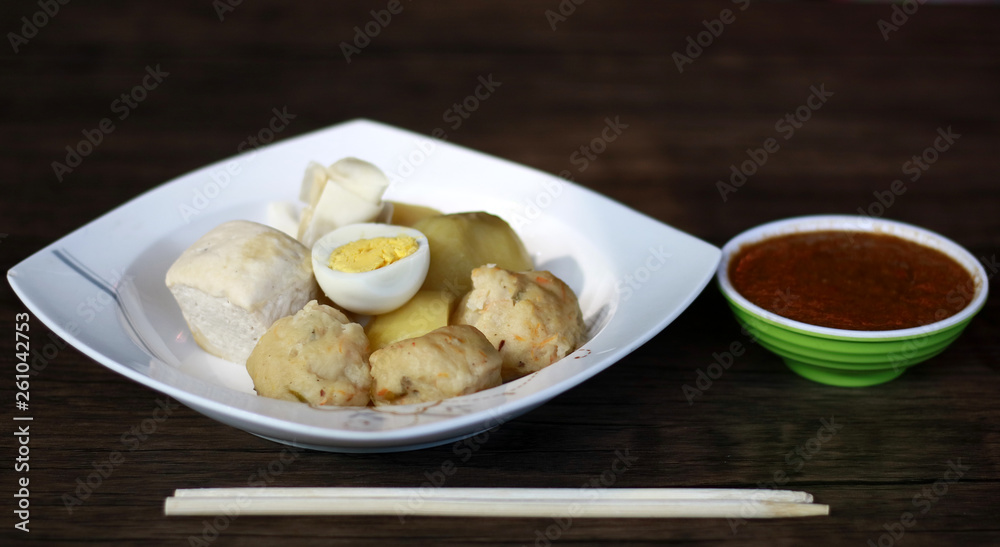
(851, 280)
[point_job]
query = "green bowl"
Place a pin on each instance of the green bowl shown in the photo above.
(840, 357)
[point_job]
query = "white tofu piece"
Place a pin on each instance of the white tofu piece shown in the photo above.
(336, 207)
(347, 192)
(313, 183)
(283, 216)
(235, 281)
(360, 177)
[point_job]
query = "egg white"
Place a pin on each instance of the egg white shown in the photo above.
(378, 291)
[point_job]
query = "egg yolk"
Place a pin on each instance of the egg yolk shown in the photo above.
(365, 255)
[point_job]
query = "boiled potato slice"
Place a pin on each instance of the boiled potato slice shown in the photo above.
(425, 312)
(462, 241)
(405, 214)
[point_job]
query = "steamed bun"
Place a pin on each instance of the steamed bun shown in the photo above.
(236, 280)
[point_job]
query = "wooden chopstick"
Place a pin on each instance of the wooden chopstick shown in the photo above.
(498, 502)
(505, 493)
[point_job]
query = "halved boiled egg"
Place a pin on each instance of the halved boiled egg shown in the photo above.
(371, 268)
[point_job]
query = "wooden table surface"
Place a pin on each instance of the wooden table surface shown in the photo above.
(912, 462)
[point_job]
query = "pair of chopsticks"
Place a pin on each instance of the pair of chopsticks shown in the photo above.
(498, 502)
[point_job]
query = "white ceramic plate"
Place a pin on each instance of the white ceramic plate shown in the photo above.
(101, 287)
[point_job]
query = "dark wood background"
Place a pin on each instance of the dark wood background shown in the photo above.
(606, 59)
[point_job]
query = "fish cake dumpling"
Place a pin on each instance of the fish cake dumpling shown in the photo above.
(533, 318)
(446, 362)
(315, 356)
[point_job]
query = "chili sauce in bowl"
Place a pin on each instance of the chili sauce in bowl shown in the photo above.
(851, 280)
(847, 300)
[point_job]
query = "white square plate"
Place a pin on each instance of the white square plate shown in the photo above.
(633, 276)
